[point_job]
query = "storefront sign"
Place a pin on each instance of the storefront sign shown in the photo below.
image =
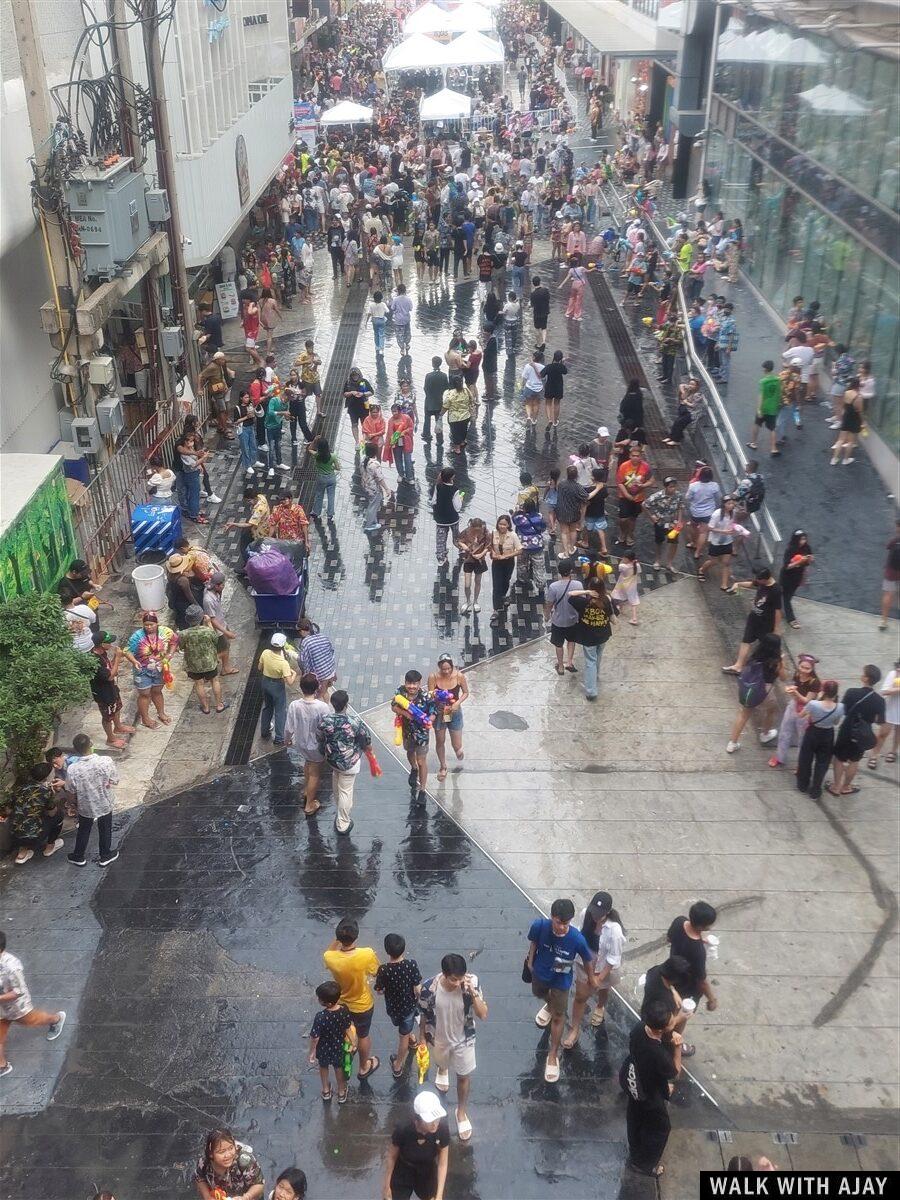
(258, 19)
(227, 296)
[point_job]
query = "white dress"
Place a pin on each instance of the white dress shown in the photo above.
(626, 589)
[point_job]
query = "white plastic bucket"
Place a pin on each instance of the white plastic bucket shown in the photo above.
(150, 583)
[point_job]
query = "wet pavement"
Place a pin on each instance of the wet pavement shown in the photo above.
(201, 995)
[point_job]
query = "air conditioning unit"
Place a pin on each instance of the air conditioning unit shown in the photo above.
(101, 370)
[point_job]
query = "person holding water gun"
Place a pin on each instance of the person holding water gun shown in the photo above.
(416, 709)
(449, 687)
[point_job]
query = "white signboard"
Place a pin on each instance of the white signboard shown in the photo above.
(226, 294)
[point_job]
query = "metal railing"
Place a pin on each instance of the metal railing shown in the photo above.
(768, 535)
(103, 511)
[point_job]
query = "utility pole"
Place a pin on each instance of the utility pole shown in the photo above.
(160, 378)
(166, 171)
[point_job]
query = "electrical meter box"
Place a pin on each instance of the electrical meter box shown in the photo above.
(101, 370)
(86, 435)
(109, 416)
(172, 338)
(158, 206)
(110, 214)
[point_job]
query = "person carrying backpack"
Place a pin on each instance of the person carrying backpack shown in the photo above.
(764, 666)
(863, 708)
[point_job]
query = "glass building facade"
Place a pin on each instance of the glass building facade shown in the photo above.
(805, 149)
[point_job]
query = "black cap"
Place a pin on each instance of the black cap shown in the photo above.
(600, 905)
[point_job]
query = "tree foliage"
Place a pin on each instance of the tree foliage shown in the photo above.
(41, 675)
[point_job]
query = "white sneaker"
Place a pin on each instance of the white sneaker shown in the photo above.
(848, 461)
(769, 736)
(270, 474)
(57, 845)
(476, 608)
(20, 862)
(466, 608)
(249, 473)
(732, 746)
(212, 498)
(261, 463)
(57, 1027)
(283, 467)
(543, 1017)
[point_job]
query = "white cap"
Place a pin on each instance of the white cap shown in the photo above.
(603, 431)
(498, 248)
(428, 1108)
(279, 640)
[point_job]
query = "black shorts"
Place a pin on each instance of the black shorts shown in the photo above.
(477, 567)
(203, 674)
(754, 630)
(847, 751)
(109, 705)
(629, 509)
(363, 1021)
(660, 533)
(720, 551)
(540, 323)
(769, 422)
(560, 634)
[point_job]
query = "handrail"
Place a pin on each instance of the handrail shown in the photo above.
(768, 534)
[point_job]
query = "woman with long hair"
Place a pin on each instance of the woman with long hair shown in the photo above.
(326, 466)
(577, 277)
(594, 629)
(601, 927)
(227, 1167)
(797, 557)
(767, 662)
(505, 548)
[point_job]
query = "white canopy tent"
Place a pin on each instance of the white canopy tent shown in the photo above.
(417, 53)
(346, 113)
(427, 19)
(445, 105)
(473, 49)
(470, 15)
(833, 102)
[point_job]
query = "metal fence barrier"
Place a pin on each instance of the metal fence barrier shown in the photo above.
(768, 535)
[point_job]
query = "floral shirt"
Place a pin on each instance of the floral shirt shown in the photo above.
(150, 651)
(288, 522)
(243, 1173)
(663, 507)
(416, 733)
(342, 738)
(27, 808)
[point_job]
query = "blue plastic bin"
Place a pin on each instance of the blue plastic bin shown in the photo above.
(278, 610)
(155, 528)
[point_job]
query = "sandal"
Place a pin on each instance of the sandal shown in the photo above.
(442, 774)
(376, 1063)
(892, 757)
(165, 720)
(311, 812)
(343, 1096)
(205, 711)
(398, 1073)
(327, 1095)
(464, 1129)
(571, 668)
(559, 670)
(872, 764)
(221, 707)
(233, 671)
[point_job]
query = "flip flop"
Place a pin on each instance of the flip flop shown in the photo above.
(559, 669)
(376, 1063)
(343, 1098)
(205, 711)
(890, 757)
(165, 720)
(311, 812)
(872, 764)
(398, 1074)
(551, 1072)
(442, 1080)
(233, 671)
(442, 774)
(327, 1095)
(221, 707)
(464, 1129)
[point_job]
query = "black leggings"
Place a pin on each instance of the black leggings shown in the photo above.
(445, 259)
(789, 584)
(501, 574)
(648, 1131)
(812, 763)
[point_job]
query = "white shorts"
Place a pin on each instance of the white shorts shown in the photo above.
(460, 1059)
(250, 343)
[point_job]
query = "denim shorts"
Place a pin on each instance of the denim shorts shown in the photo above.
(147, 677)
(405, 1024)
(363, 1021)
(456, 721)
(596, 524)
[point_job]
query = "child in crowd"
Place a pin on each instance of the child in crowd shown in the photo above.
(332, 1024)
(399, 981)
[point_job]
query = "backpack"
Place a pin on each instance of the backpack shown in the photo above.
(752, 687)
(755, 494)
(860, 730)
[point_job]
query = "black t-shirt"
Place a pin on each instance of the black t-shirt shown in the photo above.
(656, 990)
(766, 604)
(67, 589)
(520, 258)
(552, 375)
(243, 414)
(649, 1069)
(436, 383)
(417, 1161)
(692, 949)
(596, 505)
(540, 302)
(489, 362)
(212, 327)
(397, 980)
(866, 704)
(593, 628)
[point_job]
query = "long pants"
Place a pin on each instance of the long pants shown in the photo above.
(440, 539)
(648, 1128)
(790, 732)
(324, 490)
(104, 831)
(445, 260)
(667, 368)
(438, 419)
(247, 443)
(337, 262)
(378, 324)
(518, 279)
(531, 569)
(724, 364)
(403, 334)
(373, 507)
(576, 300)
(783, 420)
(501, 574)
(789, 590)
(50, 831)
(342, 785)
(592, 656)
(457, 259)
(273, 440)
(299, 418)
(274, 708)
(812, 763)
(403, 461)
(191, 493)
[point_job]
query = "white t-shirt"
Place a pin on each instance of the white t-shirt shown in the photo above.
(612, 943)
(378, 309)
(806, 354)
(78, 619)
(449, 1014)
(531, 379)
(892, 703)
(302, 723)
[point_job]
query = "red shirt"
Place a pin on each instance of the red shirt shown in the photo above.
(403, 425)
(634, 478)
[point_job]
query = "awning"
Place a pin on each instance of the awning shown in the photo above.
(346, 113)
(445, 105)
(615, 29)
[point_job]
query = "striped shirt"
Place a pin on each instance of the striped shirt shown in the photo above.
(317, 657)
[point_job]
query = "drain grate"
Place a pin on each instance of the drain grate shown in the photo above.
(244, 730)
(785, 1139)
(619, 335)
(856, 1140)
(722, 1136)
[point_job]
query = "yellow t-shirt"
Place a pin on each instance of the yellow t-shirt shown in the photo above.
(274, 666)
(351, 968)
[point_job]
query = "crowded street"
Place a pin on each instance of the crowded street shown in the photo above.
(515, 719)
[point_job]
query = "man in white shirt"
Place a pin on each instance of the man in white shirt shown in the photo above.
(16, 1006)
(799, 351)
(80, 619)
(300, 731)
(91, 778)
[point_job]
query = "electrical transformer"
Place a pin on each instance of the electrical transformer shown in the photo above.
(109, 212)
